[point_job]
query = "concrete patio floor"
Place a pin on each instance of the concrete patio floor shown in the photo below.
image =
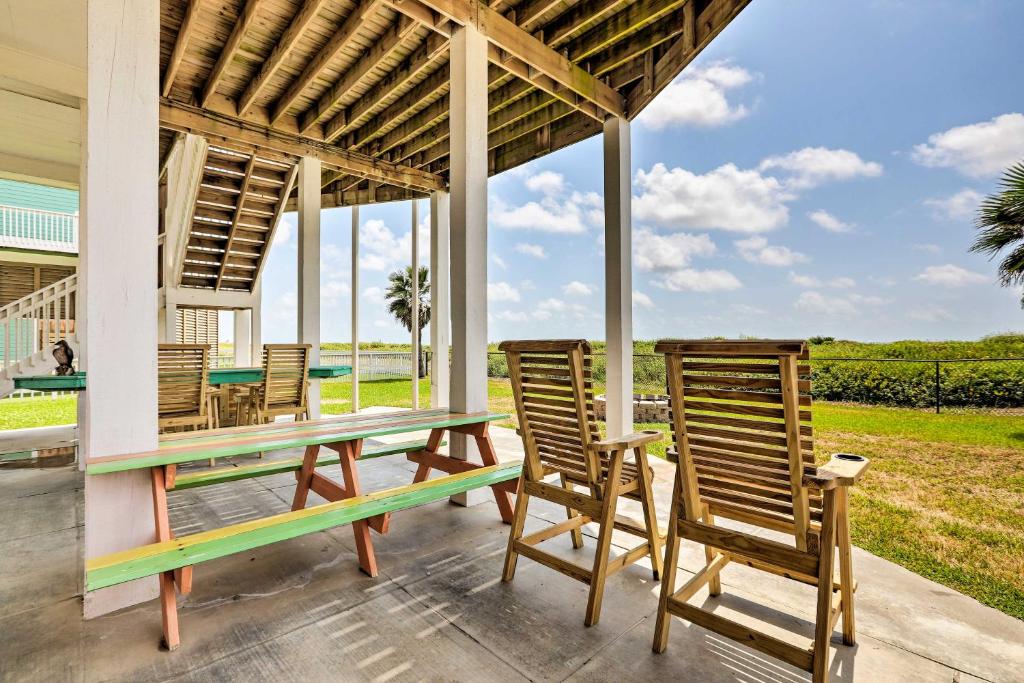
(301, 609)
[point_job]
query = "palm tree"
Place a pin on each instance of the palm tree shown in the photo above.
(399, 298)
(1001, 225)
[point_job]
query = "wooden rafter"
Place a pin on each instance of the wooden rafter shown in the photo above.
(381, 50)
(185, 118)
(433, 85)
(278, 210)
(284, 46)
(184, 33)
(242, 26)
(239, 206)
(529, 58)
(351, 25)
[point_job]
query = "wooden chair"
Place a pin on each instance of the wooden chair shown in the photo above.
(284, 390)
(741, 413)
(182, 387)
(553, 391)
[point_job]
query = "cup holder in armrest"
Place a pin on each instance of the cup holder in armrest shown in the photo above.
(849, 457)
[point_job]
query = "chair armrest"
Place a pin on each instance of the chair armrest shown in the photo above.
(628, 441)
(844, 469)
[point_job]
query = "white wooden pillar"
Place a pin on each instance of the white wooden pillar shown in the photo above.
(309, 269)
(468, 135)
(415, 313)
(355, 309)
(256, 326)
(167, 321)
(242, 339)
(117, 324)
(440, 317)
(618, 277)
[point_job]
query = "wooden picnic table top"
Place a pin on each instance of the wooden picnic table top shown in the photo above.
(185, 447)
(218, 376)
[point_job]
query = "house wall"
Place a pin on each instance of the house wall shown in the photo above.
(32, 196)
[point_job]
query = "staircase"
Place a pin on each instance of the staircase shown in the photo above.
(30, 326)
(238, 206)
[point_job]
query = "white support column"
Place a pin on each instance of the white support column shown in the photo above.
(440, 316)
(309, 269)
(468, 135)
(618, 277)
(242, 340)
(117, 324)
(184, 175)
(355, 309)
(167, 322)
(256, 326)
(415, 313)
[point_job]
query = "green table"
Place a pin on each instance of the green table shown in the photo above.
(218, 377)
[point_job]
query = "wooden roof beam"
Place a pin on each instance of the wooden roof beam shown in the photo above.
(284, 45)
(617, 28)
(184, 33)
(382, 48)
(349, 27)
(433, 84)
(227, 55)
(185, 118)
(529, 58)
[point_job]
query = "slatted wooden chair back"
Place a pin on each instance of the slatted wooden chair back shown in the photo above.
(182, 379)
(286, 371)
(553, 388)
(741, 414)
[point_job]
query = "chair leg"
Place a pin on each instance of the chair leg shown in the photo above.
(826, 565)
(715, 582)
(650, 515)
(577, 533)
(668, 578)
(516, 532)
(845, 564)
(604, 540)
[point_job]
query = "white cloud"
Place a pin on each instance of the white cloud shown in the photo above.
(698, 98)
(534, 250)
(842, 282)
(829, 222)
(501, 291)
(960, 206)
(641, 300)
(757, 250)
(690, 280)
(928, 248)
(931, 314)
(285, 230)
(512, 316)
(373, 294)
(726, 198)
(548, 215)
(950, 275)
(978, 150)
(811, 282)
(812, 166)
(546, 182)
(804, 280)
(652, 251)
(820, 304)
(381, 250)
(498, 261)
(577, 288)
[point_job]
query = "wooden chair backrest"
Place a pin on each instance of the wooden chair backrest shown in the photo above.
(553, 389)
(285, 373)
(182, 378)
(741, 413)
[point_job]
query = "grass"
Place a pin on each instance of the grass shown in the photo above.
(944, 496)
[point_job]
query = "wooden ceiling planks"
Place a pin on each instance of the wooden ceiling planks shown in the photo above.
(370, 76)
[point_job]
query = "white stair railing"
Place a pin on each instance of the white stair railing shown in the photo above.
(36, 322)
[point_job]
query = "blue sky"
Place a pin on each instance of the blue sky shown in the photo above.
(814, 171)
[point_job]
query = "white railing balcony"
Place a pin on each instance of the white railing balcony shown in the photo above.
(39, 230)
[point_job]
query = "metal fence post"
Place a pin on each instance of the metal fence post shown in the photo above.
(938, 390)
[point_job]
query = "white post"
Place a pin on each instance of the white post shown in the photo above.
(440, 334)
(117, 324)
(167, 321)
(309, 270)
(414, 365)
(468, 135)
(618, 277)
(242, 340)
(256, 326)
(355, 309)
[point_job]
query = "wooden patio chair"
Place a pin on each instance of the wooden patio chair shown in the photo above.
(182, 390)
(741, 413)
(284, 390)
(554, 398)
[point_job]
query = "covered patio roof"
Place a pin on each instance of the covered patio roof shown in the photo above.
(364, 85)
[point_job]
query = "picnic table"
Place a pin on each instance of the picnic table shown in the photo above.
(218, 377)
(172, 559)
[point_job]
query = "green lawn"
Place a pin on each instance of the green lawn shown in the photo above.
(944, 496)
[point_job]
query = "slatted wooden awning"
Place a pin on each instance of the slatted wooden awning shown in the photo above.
(363, 84)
